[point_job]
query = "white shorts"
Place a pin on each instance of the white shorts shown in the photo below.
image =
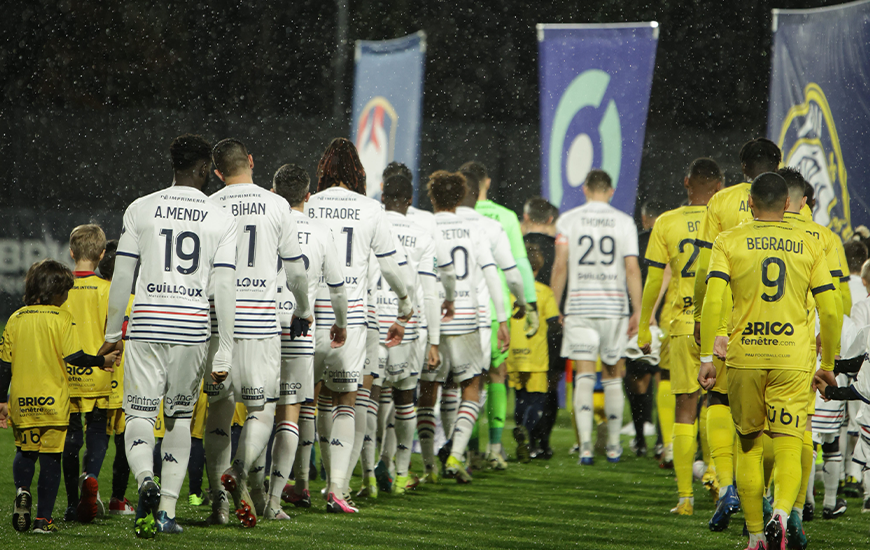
(829, 416)
(585, 338)
(379, 375)
(297, 380)
(403, 366)
(340, 368)
(861, 454)
(171, 372)
(461, 356)
(486, 345)
(254, 378)
(373, 365)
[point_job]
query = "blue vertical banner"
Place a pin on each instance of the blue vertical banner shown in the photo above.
(595, 83)
(388, 105)
(819, 111)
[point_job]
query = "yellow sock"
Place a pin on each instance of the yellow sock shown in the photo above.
(721, 435)
(684, 455)
(768, 460)
(667, 407)
(787, 450)
(806, 469)
(705, 441)
(750, 482)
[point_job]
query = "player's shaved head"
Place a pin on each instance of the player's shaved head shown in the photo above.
(598, 181)
(230, 157)
(188, 150)
(797, 185)
(769, 192)
(446, 189)
(758, 156)
(704, 172)
(396, 168)
(292, 182)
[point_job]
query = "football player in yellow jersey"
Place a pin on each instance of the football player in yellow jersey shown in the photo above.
(770, 267)
(673, 242)
(727, 209)
(90, 388)
(845, 286)
(38, 342)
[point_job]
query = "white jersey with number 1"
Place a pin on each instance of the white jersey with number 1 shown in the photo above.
(599, 237)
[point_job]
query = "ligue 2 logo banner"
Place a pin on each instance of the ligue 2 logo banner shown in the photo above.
(819, 111)
(388, 105)
(595, 82)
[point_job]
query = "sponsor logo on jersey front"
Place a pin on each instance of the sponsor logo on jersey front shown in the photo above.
(180, 290)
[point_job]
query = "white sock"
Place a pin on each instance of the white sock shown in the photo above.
(426, 432)
(388, 446)
(449, 408)
(406, 422)
(257, 473)
(139, 443)
(369, 448)
(465, 420)
(176, 454)
(852, 468)
(584, 385)
(831, 473)
(812, 481)
(217, 442)
(283, 455)
(614, 405)
(363, 402)
(385, 407)
(340, 446)
(866, 475)
(254, 439)
(302, 464)
(324, 429)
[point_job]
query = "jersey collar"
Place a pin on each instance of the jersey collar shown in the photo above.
(83, 274)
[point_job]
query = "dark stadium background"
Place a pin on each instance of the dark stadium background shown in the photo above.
(93, 92)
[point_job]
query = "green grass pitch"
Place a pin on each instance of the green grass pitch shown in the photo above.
(545, 504)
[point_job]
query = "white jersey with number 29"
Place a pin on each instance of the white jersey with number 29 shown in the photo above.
(599, 237)
(359, 227)
(178, 235)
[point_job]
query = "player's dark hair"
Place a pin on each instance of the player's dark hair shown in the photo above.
(45, 280)
(230, 156)
(769, 192)
(705, 171)
(446, 189)
(340, 164)
(810, 194)
(472, 181)
(797, 185)
(292, 182)
(856, 255)
(107, 264)
(188, 149)
(398, 186)
(598, 180)
(653, 208)
(396, 168)
(758, 156)
(539, 210)
(476, 168)
(536, 257)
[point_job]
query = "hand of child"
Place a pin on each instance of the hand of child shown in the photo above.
(4, 414)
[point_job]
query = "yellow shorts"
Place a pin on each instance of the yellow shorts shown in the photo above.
(116, 421)
(87, 404)
(769, 399)
(240, 414)
(685, 357)
(721, 385)
(200, 414)
(43, 439)
(159, 425)
(665, 354)
(532, 382)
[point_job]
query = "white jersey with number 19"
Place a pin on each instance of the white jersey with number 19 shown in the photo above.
(179, 235)
(359, 227)
(265, 232)
(599, 237)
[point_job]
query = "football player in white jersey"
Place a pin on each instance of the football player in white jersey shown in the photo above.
(500, 247)
(265, 231)
(596, 255)
(461, 353)
(422, 218)
(359, 227)
(297, 355)
(181, 239)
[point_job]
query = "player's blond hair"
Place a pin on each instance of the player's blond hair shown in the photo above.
(865, 272)
(87, 242)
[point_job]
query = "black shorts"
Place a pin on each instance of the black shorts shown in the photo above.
(639, 368)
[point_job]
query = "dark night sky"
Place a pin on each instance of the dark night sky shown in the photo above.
(85, 59)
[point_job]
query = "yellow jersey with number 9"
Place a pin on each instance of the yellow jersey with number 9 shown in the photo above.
(770, 267)
(673, 242)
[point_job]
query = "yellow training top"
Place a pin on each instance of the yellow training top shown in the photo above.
(532, 354)
(88, 303)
